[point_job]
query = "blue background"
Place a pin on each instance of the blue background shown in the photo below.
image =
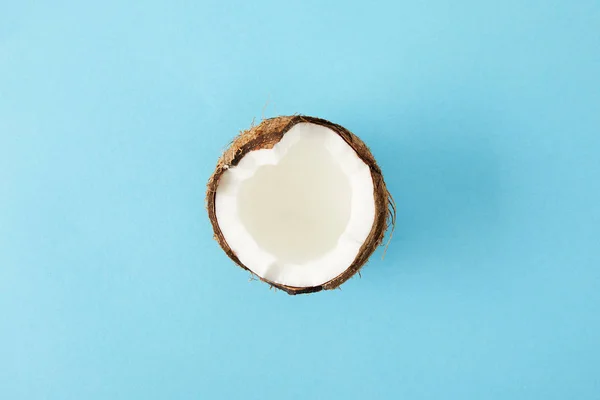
(484, 116)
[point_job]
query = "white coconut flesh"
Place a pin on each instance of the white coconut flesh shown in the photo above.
(297, 214)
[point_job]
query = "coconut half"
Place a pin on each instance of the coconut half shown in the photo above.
(300, 202)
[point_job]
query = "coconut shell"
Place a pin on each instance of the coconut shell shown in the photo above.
(264, 136)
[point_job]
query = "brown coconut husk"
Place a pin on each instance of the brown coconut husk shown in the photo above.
(264, 136)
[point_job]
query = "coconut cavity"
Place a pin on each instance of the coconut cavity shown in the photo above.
(299, 202)
(297, 209)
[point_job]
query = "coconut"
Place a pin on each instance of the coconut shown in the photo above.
(300, 202)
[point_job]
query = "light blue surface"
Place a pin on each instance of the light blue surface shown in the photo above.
(484, 116)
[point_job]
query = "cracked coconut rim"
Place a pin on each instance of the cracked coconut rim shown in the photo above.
(297, 214)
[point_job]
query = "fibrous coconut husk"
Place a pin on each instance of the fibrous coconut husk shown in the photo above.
(264, 136)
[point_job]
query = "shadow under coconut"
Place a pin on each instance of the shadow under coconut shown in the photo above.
(446, 181)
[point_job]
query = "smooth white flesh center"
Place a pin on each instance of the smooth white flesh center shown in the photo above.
(297, 214)
(296, 210)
